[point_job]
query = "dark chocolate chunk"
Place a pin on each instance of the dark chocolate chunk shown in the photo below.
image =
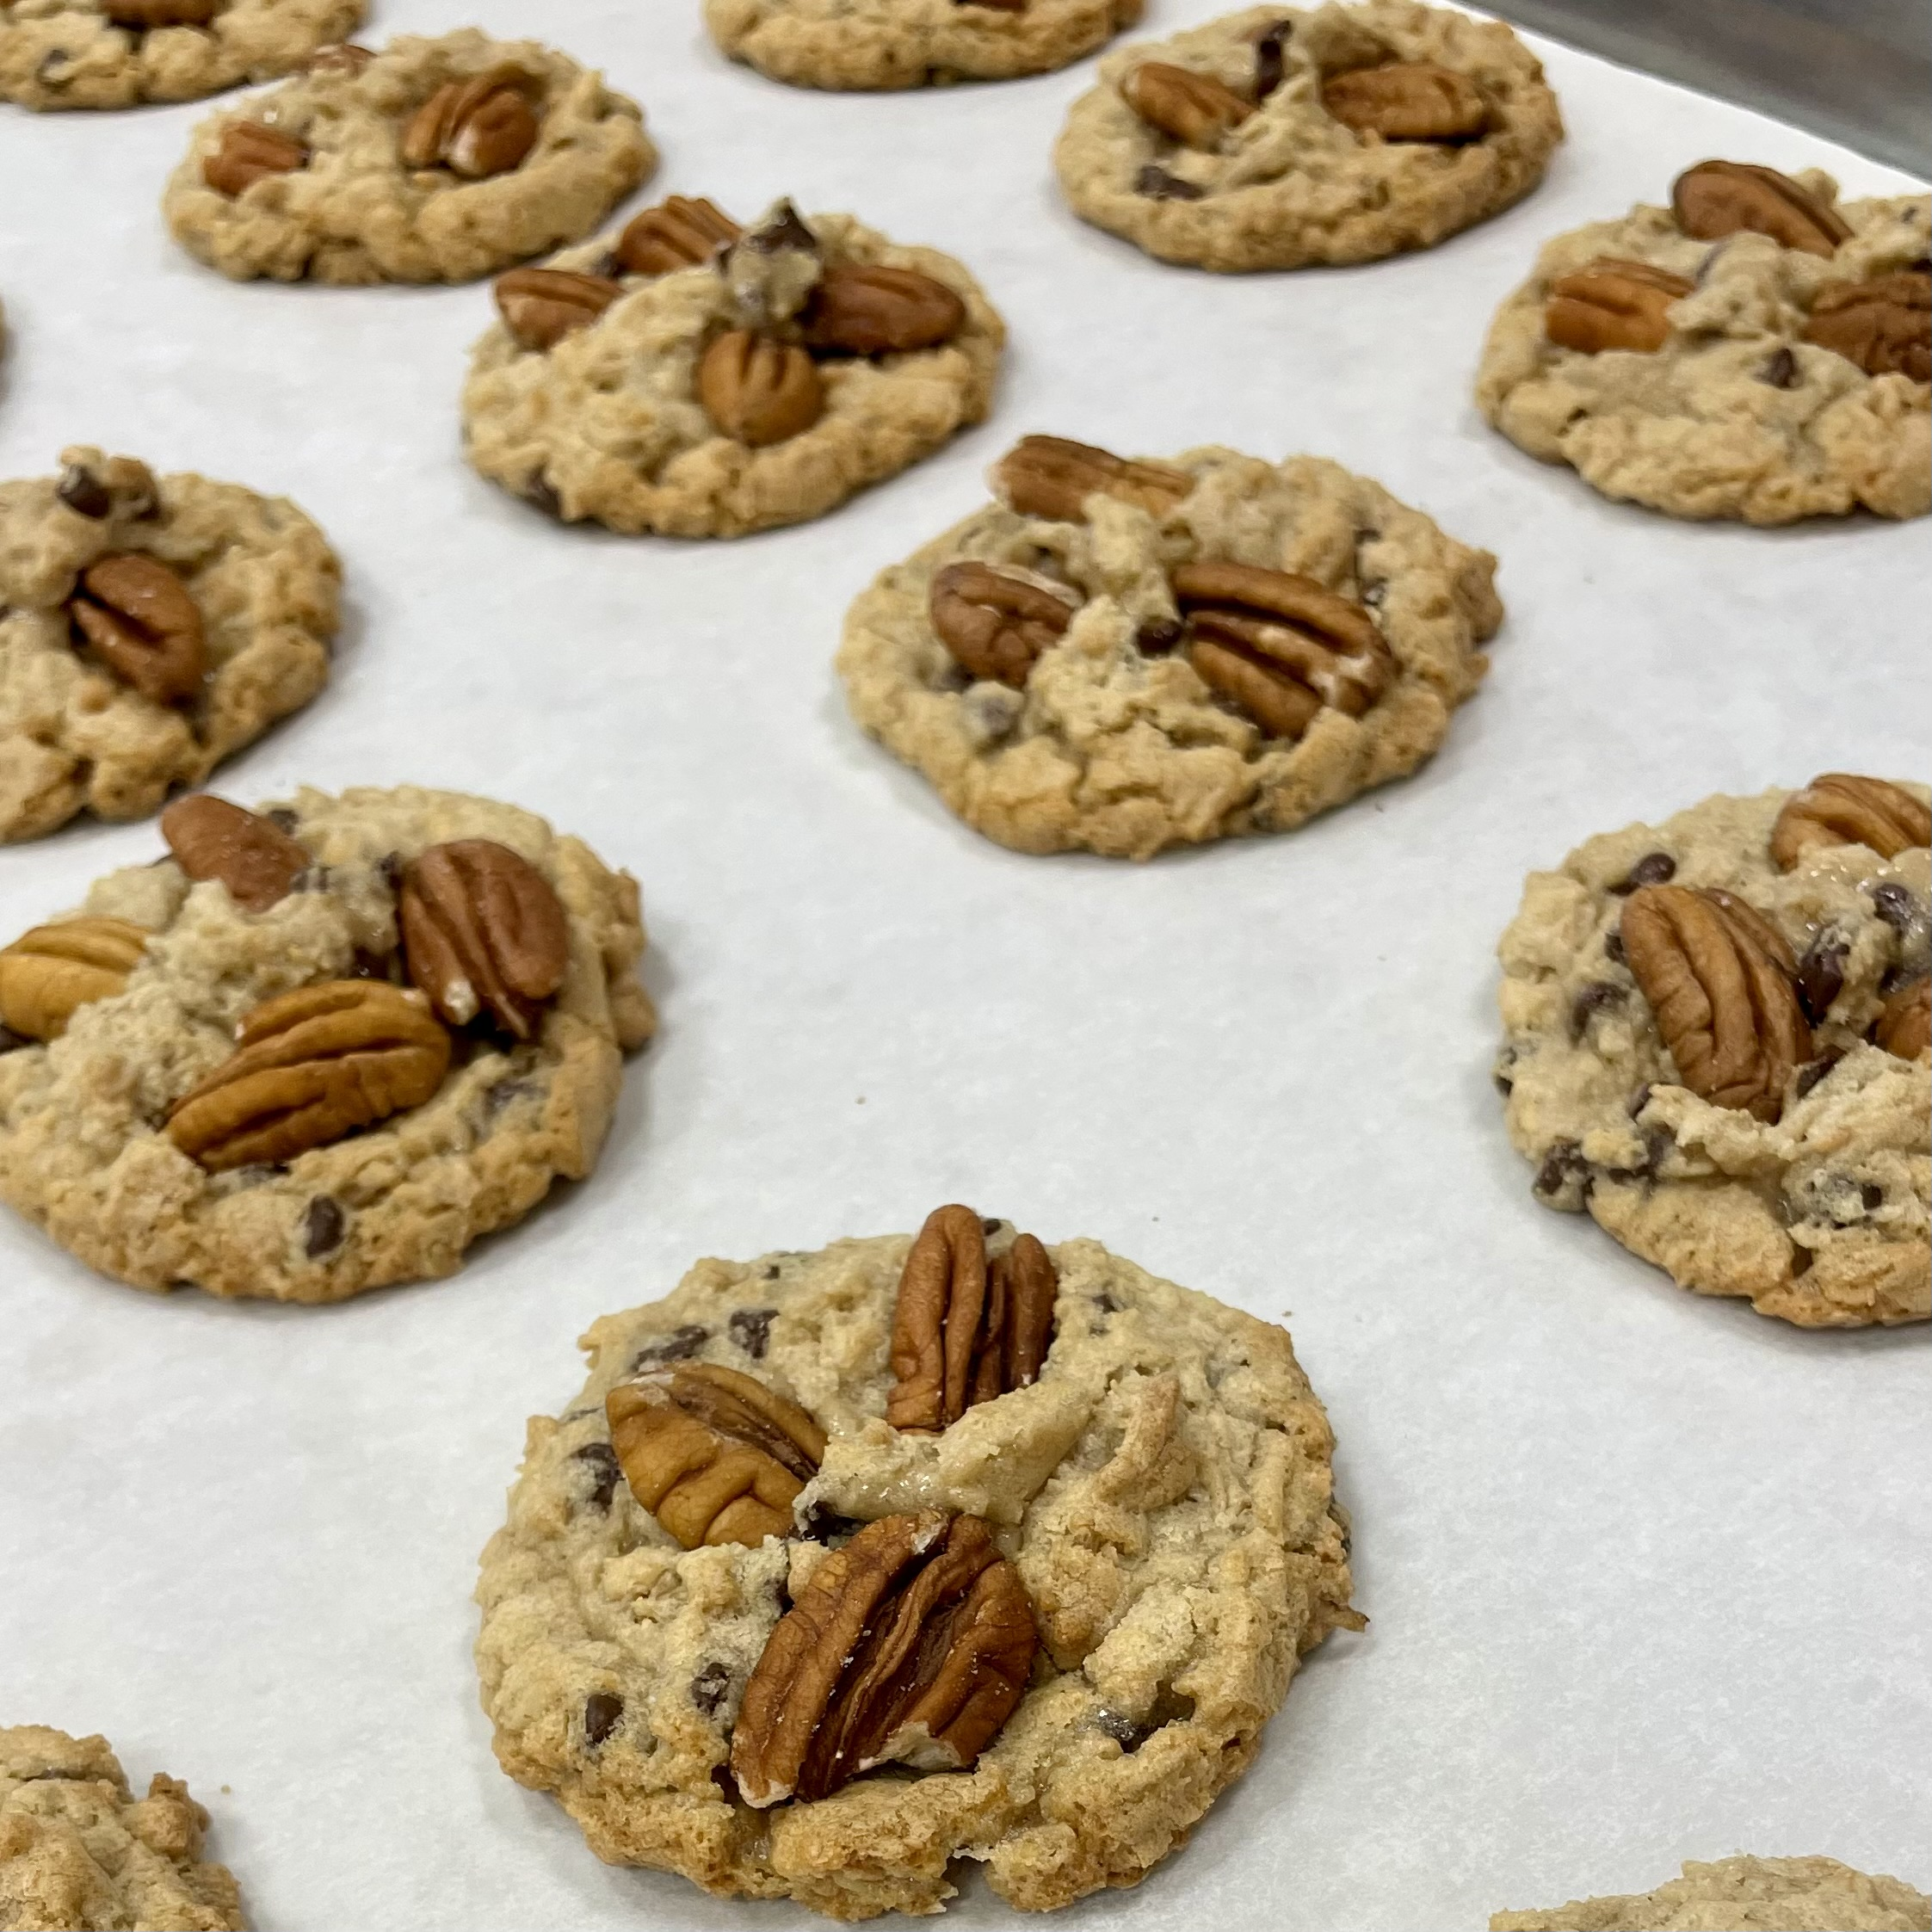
(601, 1710)
(751, 1330)
(709, 1687)
(1157, 636)
(680, 1345)
(1812, 1071)
(1565, 1176)
(1267, 58)
(1782, 371)
(84, 493)
(1595, 998)
(1870, 1195)
(1894, 904)
(323, 1226)
(605, 1469)
(281, 817)
(1821, 975)
(1613, 948)
(1654, 869)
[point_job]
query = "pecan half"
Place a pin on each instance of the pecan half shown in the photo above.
(1719, 198)
(758, 390)
(1279, 645)
(144, 16)
(541, 306)
(995, 625)
(138, 619)
(248, 153)
(714, 1455)
(481, 126)
(877, 311)
(1407, 101)
(1610, 303)
(1053, 478)
(311, 1066)
(911, 1645)
(1838, 808)
(483, 931)
(1726, 1008)
(1885, 324)
(683, 232)
(1904, 1025)
(47, 973)
(1195, 109)
(251, 856)
(965, 1329)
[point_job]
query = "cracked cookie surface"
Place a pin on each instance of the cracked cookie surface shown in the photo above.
(1818, 1214)
(1163, 1489)
(1744, 1895)
(1291, 184)
(79, 1849)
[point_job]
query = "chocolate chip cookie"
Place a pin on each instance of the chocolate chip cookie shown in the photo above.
(1275, 138)
(432, 160)
(1758, 350)
(1716, 1042)
(79, 1850)
(1035, 1536)
(320, 1048)
(122, 53)
(688, 377)
(1745, 1895)
(1121, 656)
(149, 626)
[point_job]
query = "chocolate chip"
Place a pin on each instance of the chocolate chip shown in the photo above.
(709, 1687)
(751, 1330)
(1894, 904)
(771, 1271)
(84, 493)
(1613, 948)
(1565, 1176)
(601, 1710)
(1821, 975)
(818, 1524)
(11, 1041)
(538, 493)
(1812, 1071)
(283, 818)
(1267, 58)
(605, 1471)
(1157, 636)
(785, 229)
(1158, 185)
(1870, 1195)
(1128, 1735)
(680, 1345)
(1782, 371)
(1894, 977)
(1595, 998)
(988, 1227)
(323, 1226)
(1652, 869)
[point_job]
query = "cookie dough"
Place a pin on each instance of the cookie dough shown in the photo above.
(85, 1150)
(1162, 1489)
(343, 206)
(1734, 414)
(1745, 1895)
(1817, 1213)
(611, 423)
(911, 43)
(79, 1850)
(1258, 171)
(75, 734)
(91, 54)
(1112, 742)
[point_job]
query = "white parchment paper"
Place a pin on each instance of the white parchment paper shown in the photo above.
(1646, 1574)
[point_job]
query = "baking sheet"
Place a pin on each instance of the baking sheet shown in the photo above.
(1645, 1573)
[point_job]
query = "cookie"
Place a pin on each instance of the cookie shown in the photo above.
(318, 1050)
(1277, 137)
(1745, 1895)
(1044, 1535)
(79, 1849)
(432, 160)
(122, 53)
(149, 627)
(1123, 656)
(1716, 1043)
(911, 43)
(1759, 350)
(688, 378)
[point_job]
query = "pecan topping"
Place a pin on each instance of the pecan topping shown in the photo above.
(758, 390)
(1725, 1005)
(1905, 1025)
(1885, 325)
(137, 618)
(911, 1645)
(1838, 808)
(48, 972)
(249, 152)
(1719, 198)
(481, 126)
(144, 16)
(1612, 304)
(1279, 645)
(310, 1067)
(541, 306)
(1053, 478)
(996, 623)
(680, 233)
(965, 1329)
(251, 856)
(1407, 101)
(483, 931)
(1195, 109)
(714, 1455)
(879, 312)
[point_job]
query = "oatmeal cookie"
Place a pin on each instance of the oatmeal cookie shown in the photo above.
(1276, 138)
(149, 627)
(1716, 1042)
(1054, 1533)
(432, 160)
(1121, 656)
(688, 378)
(1745, 1895)
(320, 1049)
(1759, 350)
(79, 1849)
